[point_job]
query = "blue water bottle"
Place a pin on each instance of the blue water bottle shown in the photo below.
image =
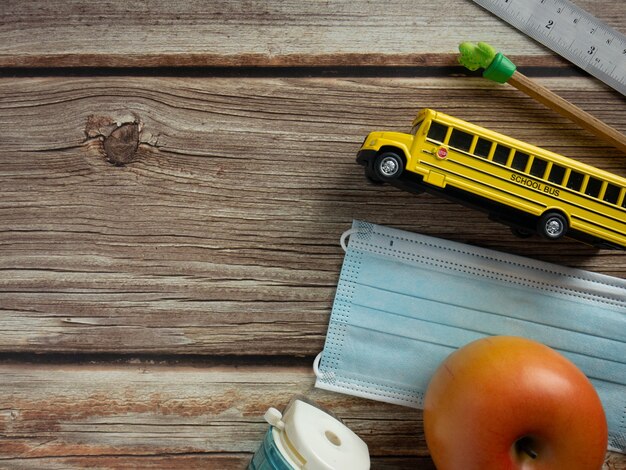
(305, 437)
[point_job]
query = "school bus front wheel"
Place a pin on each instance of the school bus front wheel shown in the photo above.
(388, 166)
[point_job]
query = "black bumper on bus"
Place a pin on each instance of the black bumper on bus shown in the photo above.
(366, 158)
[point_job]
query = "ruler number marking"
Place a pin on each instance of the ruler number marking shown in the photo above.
(574, 33)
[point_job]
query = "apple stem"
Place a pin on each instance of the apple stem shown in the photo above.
(530, 452)
(524, 445)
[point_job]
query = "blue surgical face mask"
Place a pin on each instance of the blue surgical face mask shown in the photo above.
(404, 302)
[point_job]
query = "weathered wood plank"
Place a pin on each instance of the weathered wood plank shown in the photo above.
(150, 410)
(161, 417)
(614, 461)
(221, 236)
(194, 462)
(259, 33)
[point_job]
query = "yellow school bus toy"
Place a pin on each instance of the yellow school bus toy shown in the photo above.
(525, 187)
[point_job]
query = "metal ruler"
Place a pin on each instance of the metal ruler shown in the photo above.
(571, 32)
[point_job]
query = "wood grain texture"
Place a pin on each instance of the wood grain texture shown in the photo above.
(116, 33)
(202, 461)
(155, 416)
(193, 221)
(221, 235)
(71, 415)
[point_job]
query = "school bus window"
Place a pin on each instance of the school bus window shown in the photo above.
(460, 140)
(611, 194)
(593, 187)
(501, 155)
(437, 131)
(520, 160)
(482, 147)
(575, 180)
(538, 167)
(556, 174)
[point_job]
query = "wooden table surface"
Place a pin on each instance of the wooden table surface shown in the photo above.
(174, 179)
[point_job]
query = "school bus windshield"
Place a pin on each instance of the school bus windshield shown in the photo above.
(416, 127)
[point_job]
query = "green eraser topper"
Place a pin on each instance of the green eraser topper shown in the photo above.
(476, 56)
(482, 55)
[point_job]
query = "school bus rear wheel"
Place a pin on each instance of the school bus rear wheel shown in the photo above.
(552, 225)
(388, 166)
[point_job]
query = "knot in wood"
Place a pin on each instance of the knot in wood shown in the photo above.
(121, 145)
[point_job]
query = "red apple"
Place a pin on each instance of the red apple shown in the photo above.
(505, 402)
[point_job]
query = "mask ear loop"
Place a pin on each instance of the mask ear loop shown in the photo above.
(345, 235)
(342, 241)
(316, 366)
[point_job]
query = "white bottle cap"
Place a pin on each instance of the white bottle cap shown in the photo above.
(318, 441)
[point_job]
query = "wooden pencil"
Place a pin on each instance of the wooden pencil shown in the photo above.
(568, 110)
